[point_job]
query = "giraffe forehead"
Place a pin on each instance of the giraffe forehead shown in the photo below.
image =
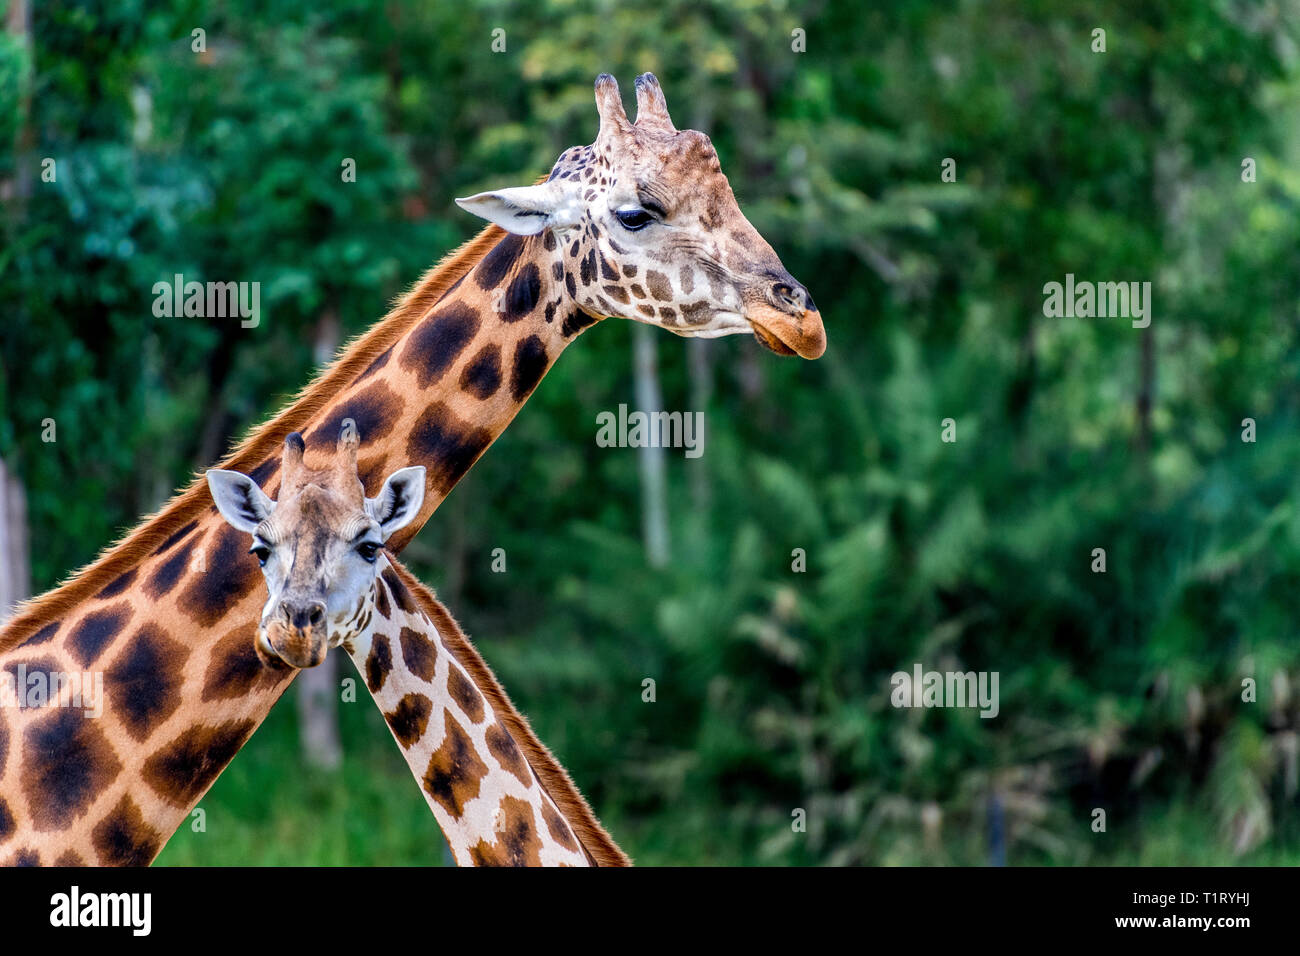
(317, 510)
(674, 186)
(650, 160)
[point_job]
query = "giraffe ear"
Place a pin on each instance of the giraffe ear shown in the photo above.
(398, 502)
(239, 500)
(527, 210)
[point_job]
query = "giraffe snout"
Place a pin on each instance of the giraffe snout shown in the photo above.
(782, 314)
(303, 615)
(789, 325)
(298, 635)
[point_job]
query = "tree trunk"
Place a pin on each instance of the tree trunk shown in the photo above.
(15, 560)
(1146, 390)
(318, 714)
(654, 488)
(18, 23)
(317, 687)
(699, 367)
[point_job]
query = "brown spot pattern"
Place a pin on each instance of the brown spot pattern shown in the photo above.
(68, 763)
(464, 693)
(658, 285)
(119, 584)
(519, 836)
(186, 767)
(558, 828)
(378, 663)
(89, 638)
(455, 771)
(234, 668)
(376, 410)
(231, 574)
(531, 363)
(418, 653)
(123, 838)
(145, 679)
(445, 445)
(438, 341)
(409, 718)
(482, 376)
(502, 746)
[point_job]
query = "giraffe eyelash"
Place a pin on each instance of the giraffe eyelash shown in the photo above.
(633, 219)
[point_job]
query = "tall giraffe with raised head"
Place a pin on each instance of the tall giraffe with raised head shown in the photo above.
(642, 225)
(329, 584)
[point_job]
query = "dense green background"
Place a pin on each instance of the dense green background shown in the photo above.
(1119, 690)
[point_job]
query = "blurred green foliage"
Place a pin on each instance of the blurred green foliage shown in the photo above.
(1120, 690)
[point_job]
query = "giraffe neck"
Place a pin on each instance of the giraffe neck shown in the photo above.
(167, 615)
(462, 741)
(446, 413)
(442, 393)
(109, 788)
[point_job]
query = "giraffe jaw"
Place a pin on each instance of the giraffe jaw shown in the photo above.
(771, 342)
(721, 324)
(776, 331)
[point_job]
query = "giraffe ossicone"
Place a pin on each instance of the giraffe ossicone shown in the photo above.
(649, 230)
(318, 546)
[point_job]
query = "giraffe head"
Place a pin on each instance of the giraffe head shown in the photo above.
(648, 229)
(319, 545)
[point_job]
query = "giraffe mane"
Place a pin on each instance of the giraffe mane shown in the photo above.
(261, 442)
(555, 780)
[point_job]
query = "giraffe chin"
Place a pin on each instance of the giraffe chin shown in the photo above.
(281, 648)
(786, 334)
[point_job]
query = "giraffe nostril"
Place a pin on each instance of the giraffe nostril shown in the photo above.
(302, 616)
(795, 296)
(790, 295)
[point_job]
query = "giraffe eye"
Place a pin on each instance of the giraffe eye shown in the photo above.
(368, 550)
(262, 552)
(634, 218)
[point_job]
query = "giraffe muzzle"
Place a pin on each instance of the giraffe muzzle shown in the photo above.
(788, 333)
(293, 647)
(298, 636)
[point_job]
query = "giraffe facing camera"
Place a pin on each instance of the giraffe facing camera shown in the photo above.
(330, 584)
(318, 545)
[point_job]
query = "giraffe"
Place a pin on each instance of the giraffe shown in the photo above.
(319, 579)
(329, 585)
(639, 225)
